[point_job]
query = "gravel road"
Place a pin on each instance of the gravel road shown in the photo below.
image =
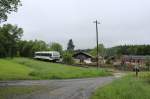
(60, 89)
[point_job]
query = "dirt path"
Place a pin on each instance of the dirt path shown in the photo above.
(61, 89)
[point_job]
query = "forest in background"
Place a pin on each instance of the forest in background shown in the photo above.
(11, 45)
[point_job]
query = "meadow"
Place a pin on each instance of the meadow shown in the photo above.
(128, 87)
(26, 69)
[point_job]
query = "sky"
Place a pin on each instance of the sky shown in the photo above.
(122, 21)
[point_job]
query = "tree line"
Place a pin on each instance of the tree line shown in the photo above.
(128, 50)
(117, 51)
(12, 45)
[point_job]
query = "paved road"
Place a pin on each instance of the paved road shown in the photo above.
(61, 89)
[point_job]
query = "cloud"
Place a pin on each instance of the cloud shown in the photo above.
(122, 21)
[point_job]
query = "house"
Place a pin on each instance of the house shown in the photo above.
(134, 59)
(82, 57)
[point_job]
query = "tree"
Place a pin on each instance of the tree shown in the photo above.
(70, 45)
(28, 48)
(8, 6)
(39, 45)
(9, 37)
(147, 63)
(56, 47)
(25, 48)
(101, 50)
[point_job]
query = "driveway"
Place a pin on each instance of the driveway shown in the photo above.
(60, 89)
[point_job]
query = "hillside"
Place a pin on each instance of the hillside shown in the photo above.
(24, 68)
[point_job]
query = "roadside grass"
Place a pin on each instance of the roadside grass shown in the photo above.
(13, 71)
(10, 92)
(25, 68)
(47, 70)
(128, 87)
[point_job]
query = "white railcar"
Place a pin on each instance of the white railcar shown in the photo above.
(47, 55)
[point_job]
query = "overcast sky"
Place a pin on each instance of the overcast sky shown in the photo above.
(122, 21)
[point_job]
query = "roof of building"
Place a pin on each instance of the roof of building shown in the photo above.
(86, 54)
(142, 57)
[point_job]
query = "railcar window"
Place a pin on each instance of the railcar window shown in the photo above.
(43, 54)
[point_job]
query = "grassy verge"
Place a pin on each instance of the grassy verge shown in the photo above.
(128, 87)
(10, 70)
(24, 68)
(10, 92)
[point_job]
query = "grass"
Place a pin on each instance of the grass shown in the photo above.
(129, 87)
(10, 92)
(10, 70)
(24, 68)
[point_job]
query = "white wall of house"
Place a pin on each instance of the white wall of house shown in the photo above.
(88, 61)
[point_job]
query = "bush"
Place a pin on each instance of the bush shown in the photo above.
(67, 58)
(147, 63)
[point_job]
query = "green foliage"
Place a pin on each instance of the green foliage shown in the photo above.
(11, 44)
(111, 51)
(6, 7)
(101, 50)
(9, 37)
(67, 58)
(131, 50)
(24, 68)
(27, 48)
(126, 88)
(70, 46)
(147, 63)
(39, 45)
(56, 47)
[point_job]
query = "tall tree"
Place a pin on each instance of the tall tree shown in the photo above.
(39, 45)
(56, 47)
(6, 7)
(9, 37)
(70, 45)
(27, 48)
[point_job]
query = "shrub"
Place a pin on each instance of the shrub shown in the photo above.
(67, 58)
(147, 63)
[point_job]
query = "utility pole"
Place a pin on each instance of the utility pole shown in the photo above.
(97, 57)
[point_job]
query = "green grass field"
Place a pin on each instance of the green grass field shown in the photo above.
(129, 87)
(24, 68)
(10, 70)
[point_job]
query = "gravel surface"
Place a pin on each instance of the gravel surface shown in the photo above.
(60, 89)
